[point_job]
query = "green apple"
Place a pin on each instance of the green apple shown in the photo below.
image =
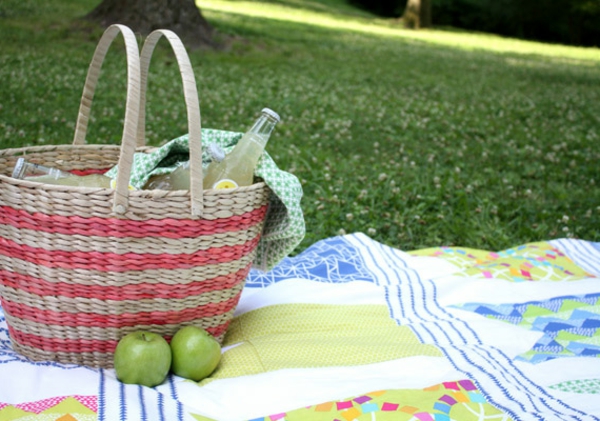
(142, 358)
(196, 353)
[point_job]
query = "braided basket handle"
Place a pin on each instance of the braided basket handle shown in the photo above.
(121, 198)
(190, 93)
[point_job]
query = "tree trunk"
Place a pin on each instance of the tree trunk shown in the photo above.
(417, 14)
(143, 16)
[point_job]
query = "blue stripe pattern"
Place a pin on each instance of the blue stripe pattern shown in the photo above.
(413, 302)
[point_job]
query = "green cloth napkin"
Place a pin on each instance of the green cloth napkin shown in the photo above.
(284, 226)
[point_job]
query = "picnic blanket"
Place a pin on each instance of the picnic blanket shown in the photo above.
(352, 329)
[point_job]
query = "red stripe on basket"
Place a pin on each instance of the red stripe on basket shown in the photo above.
(76, 346)
(89, 171)
(112, 262)
(113, 227)
(87, 320)
(41, 287)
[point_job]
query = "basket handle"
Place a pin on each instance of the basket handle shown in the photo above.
(121, 198)
(190, 93)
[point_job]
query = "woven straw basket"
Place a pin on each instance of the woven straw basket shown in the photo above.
(81, 267)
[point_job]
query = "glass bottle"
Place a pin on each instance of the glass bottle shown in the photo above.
(179, 179)
(172, 180)
(25, 170)
(237, 169)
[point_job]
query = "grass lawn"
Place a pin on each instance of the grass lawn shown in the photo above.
(418, 139)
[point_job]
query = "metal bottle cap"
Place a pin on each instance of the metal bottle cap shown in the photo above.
(271, 113)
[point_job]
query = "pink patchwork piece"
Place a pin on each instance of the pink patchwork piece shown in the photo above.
(424, 416)
(451, 385)
(343, 405)
(90, 402)
(39, 406)
(389, 406)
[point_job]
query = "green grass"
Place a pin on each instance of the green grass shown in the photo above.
(419, 139)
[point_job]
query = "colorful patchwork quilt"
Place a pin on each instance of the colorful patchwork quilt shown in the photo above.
(352, 329)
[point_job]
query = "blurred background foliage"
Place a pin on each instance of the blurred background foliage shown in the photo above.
(574, 22)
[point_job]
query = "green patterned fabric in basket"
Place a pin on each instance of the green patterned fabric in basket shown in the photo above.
(284, 227)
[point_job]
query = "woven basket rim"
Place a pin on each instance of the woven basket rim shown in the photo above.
(41, 149)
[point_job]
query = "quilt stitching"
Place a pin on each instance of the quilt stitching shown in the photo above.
(483, 364)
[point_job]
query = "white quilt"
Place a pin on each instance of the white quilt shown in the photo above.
(354, 330)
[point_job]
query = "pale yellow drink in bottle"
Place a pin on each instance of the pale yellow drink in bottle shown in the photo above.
(41, 174)
(237, 169)
(179, 179)
(91, 180)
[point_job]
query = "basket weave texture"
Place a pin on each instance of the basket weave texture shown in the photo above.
(82, 267)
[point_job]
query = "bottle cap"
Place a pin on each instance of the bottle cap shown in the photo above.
(225, 183)
(271, 113)
(19, 168)
(216, 152)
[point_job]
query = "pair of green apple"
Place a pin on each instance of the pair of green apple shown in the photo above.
(145, 358)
